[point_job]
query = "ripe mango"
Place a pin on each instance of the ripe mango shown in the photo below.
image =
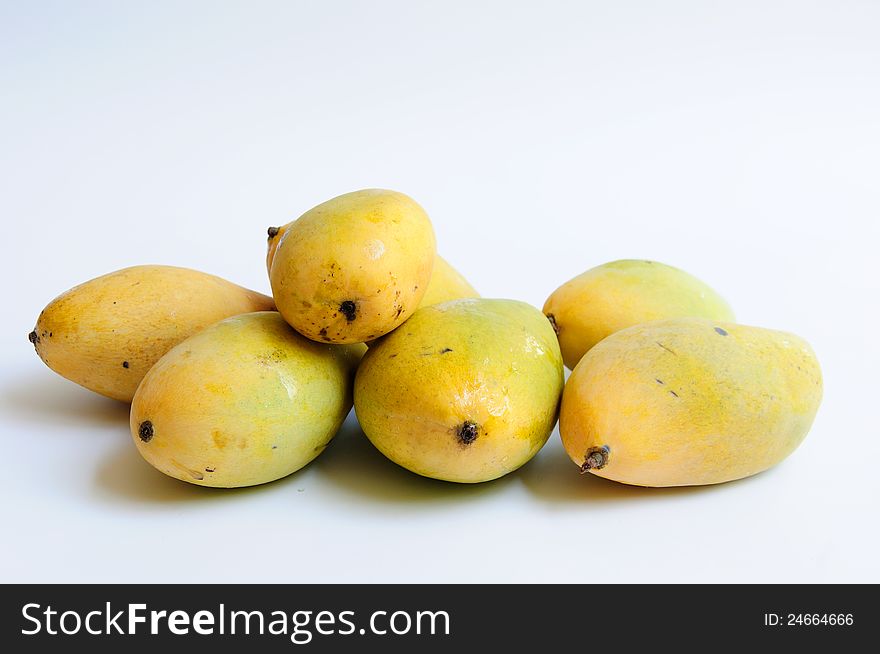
(107, 333)
(446, 284)
(624, 293)
(465, 391)
(244, 402)
(275, 234)
(353, 268)
(689, 401)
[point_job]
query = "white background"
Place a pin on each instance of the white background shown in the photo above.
(737, 140)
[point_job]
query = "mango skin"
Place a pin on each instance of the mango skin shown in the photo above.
(624, 293)
(105, 334)
(690, 401)
(465, 391)
(353, 268)
(244, 402)
(446, 284)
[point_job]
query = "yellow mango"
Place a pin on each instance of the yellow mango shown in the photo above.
(689, 401)
(353, 268)
(243, 402)
(465, 391)
(107, 333)
(275, 234)
(446, 284)
(624, 293)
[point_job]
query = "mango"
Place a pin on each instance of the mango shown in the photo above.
(689, 401)
(275, 234)
(465, 391)
(446, 284)
(107, 333)
(244, 402)
(624, 293)
(353, 268)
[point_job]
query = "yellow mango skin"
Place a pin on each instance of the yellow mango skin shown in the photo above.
(446, 284)
(465, 391)
(624, 293)
(353, 268)
(107, 333)
(244, 402)
(690, 401)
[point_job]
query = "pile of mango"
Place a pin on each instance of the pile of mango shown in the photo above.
(229, 387)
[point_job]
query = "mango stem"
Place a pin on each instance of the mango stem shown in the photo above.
(596, 458)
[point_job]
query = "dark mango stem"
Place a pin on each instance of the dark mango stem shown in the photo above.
(596, 458)
(467, 432)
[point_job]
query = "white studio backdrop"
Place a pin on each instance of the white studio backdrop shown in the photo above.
(739, 141)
